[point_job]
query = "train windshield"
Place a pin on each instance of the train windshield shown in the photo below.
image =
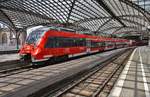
(35, 35)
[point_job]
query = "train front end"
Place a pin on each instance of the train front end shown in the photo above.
(32, 49)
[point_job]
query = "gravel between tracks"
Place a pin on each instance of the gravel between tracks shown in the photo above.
(98, 83)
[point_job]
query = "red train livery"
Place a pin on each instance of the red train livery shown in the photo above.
(47, 43)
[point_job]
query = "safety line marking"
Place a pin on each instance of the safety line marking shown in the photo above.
(144, 77)
(118, 87)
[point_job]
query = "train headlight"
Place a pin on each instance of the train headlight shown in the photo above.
(36, 51)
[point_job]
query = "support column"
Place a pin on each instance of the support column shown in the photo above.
(17, 39)
(148, 38)
(17, 47)
(148, 35)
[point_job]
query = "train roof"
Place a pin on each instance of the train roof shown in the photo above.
(94, 38)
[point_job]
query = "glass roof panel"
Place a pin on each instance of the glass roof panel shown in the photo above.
(95, 15)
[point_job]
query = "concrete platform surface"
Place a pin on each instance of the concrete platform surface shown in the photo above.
(25, 83)
(8, 57)
(8, 47)
(134, 80)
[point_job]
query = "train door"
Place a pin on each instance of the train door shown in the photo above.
(88, 45)
(50, 46)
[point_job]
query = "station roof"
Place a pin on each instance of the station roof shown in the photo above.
(99, 16)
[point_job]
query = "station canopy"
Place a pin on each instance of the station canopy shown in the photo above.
(98, 16)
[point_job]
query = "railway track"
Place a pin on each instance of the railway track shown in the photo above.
(23, 67)
(12, 71)
(17, 64)
(19, 67)
(97, 83)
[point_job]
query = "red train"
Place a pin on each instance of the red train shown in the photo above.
(47, 43)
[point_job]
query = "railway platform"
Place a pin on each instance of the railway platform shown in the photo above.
(8, 57)
(25, 83)
(134, 81)
(8, 61)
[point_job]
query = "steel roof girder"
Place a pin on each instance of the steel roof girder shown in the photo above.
(9, 20)
(104, 24)
(140, 9)
(24, 11)
(101, 3)
(70, 11)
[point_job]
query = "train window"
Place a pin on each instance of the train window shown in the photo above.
(109, 43)
(64, 42)
(35, 35)
(79, 42)
(60, 41)
(88, 43)
(101, 44)
(71, 42)
(51, 42)
(93, 44)
(82, 42)
(97, 44)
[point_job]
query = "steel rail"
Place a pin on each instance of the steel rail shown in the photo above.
(84, 78)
